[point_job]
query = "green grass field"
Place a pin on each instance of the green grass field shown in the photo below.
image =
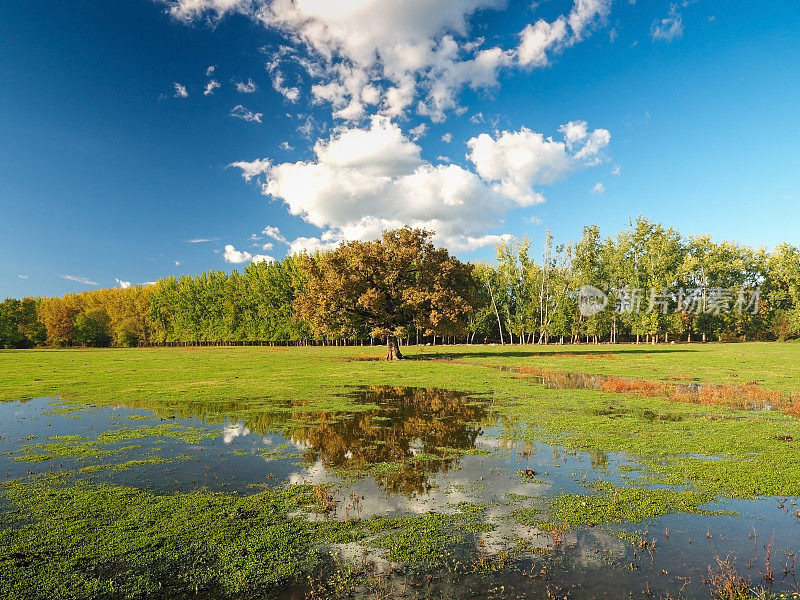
(158, 374)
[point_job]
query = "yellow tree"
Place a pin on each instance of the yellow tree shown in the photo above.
(383, 287)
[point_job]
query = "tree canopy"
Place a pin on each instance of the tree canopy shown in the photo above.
(383, 287)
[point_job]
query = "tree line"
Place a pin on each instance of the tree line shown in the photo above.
(651, 284)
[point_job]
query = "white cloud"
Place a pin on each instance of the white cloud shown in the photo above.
(200, 240)
(616, 170)
(274, 233)
(210, 70)
(123, 284)
(447, 138)
(210, 87)
(234, 256)
(598, 188)
(254, 238)
(233, 431)
(178, 263)
(418, 131)
(286, 146)
(240, 112)
(247, 87)
(78, 279)
(473, 243)
(290, 93)
(365, 180)
(381, 150)
(187, 10)
(668, 28)
(22, 276)
(310, 245)
(396, 56)
(267, 246)
(307, 128)
(180, 91)
(538, 39)
(253, 168)
(522, 159)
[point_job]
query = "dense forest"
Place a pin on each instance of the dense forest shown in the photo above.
(661, 286)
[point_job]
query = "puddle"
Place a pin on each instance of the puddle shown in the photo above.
(748, 396)
(418, 451)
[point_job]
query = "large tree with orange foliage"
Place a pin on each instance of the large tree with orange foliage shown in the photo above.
(384, 286)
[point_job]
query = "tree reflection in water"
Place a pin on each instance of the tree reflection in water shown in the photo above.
(415, 433)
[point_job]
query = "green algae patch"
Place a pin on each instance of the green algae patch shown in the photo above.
(610, 504)
(105, 445)
(174, 431)
(90, 541)
(432, 540)
(123, 466)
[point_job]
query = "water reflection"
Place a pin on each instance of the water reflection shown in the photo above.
(414, 433)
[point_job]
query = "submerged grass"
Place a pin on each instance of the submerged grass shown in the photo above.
(95, 541)
(106, 444)
(105, 541)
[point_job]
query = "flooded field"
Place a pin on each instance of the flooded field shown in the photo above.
(430, 492)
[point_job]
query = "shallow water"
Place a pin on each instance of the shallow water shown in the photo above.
(420, 450)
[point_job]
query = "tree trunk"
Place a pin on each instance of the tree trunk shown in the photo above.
(393, 348)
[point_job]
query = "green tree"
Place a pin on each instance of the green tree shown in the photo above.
(92, 328)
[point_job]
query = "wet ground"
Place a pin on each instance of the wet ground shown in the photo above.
(419, 451)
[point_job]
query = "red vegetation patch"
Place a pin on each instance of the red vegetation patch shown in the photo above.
(619, 385)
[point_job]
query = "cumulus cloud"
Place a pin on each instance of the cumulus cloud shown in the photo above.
(247, 87)
(236, 257)
(598, 188)
(210, 70)
(210, 87)
(310, 245)
(123, 284)
(274, 233)
(447, 138)
(240, 112)
(668, 28)
(21, 276)
(78, 279)
(520, 160)
(180, 90)
(396, 56)
(363, 180)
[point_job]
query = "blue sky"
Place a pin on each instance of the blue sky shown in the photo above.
(686, 113)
